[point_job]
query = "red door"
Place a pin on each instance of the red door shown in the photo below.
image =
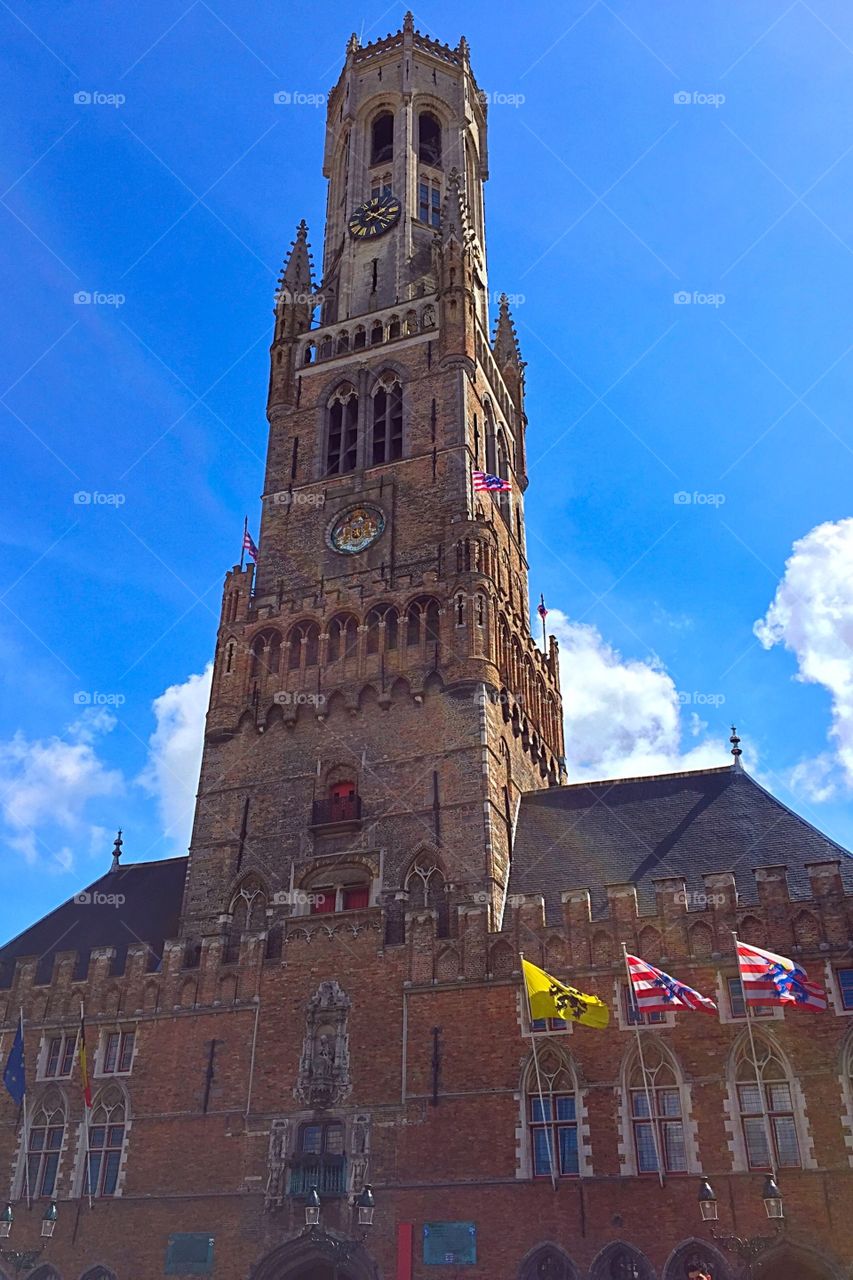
(342, 801)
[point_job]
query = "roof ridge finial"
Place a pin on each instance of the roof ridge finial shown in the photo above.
(117, 844)
(736, 751)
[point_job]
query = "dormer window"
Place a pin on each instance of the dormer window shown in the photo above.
(382, 139)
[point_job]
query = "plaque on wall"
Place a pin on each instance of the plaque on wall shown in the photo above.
(450, 1242)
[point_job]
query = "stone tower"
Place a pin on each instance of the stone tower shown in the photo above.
(379, 704)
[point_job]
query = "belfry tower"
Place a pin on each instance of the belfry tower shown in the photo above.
(378, 701)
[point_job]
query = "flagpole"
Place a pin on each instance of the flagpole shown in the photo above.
(550, 1122)
(542, 615)
(653, 1120)
(243, 543)
(26, 1125)
(768, 1136)
(86, 1109)
(252, 1060)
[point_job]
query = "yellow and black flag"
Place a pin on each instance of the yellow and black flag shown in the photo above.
(549, 998)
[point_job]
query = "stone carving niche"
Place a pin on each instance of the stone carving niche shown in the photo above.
(324, 1078)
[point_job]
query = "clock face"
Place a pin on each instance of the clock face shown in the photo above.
(374, 217)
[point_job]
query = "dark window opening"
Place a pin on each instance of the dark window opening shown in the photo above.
(342, 448)
(382, 139)
(387, 424)
(429, 139)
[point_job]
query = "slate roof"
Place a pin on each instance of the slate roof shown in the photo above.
(632, 830)
(152, 893)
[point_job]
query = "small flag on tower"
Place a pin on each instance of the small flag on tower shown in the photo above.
(656, 992)
(85, 1082)
(770, 979)
(248, 545)
(485, 482)
(14, 1075)
(541, 610)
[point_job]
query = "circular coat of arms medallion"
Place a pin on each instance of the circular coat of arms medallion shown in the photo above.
(355, 529)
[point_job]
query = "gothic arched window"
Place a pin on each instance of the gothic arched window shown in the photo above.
(422, 624)
(342, 432)
(387, 421)
(381, 629)
(382, 139)
(44, 1144)
(776, 1085)
(548, 1263)
(662, 1128)
(429, 139)
(266, 654)
(343, 638)
(106, 1142)
(552, 1120)
(426, 887)
(304, 640)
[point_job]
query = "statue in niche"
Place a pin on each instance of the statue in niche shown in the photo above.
(324, 1065)
(276, 1159)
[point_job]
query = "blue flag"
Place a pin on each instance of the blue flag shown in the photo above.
(13, 1073)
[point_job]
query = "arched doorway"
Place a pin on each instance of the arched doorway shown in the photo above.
(794, 1262)
(316, 1255)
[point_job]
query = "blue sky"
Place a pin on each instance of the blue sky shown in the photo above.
(638, 152)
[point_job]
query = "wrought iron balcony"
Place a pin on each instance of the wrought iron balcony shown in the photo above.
(328, 1173)
(338, 811)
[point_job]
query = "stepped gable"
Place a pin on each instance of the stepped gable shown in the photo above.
(150, 913)
(635, 830)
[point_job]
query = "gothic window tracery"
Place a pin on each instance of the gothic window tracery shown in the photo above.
(381, 624)
(342, 431)
(107, 1128)
(777, 1089)
(422, 622)
(552, 1119)
(44, 1144)
(426, 887)
(655, 1111)
(304, 641)
(343, 638)
(266, 654)
(387, 421)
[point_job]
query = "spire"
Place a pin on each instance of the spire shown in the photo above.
(736, 751)
(455, 218)
(117, 844)
(295, 285)
(505, 344)
(409, 21)
(353, 44)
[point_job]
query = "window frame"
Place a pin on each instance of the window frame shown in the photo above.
(765, 1091)
(62, 1067)
(657, 1125)
(125, 1042)
(552, 1122)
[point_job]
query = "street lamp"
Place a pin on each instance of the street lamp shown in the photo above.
(312, 1208)
(707, 1202)
(748, 1248)
(366, 1205)
(772, 1198)
(48, 1222)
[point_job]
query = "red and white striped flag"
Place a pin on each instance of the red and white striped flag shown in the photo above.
(248, 545)
(656, 992)
(770, 979)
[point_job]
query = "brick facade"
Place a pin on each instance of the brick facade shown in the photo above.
(331, 994)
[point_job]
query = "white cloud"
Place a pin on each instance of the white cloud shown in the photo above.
(46, 785)
(812, 616)
(174, 753)
(623, 716)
